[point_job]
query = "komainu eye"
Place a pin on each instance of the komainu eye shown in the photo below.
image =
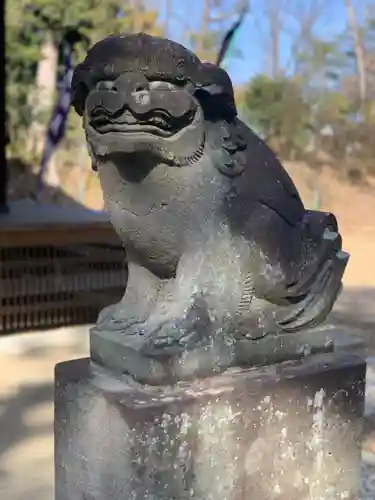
(161, 86)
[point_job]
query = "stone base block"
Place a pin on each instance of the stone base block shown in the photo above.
(289, 431)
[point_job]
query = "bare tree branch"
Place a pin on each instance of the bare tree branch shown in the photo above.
(305, 20)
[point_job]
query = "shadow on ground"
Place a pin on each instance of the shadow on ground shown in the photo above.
(26, 444)
(26, 411)
(12, 411)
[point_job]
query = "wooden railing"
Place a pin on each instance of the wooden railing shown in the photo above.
(58, 274)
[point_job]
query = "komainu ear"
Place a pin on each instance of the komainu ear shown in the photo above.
(79, 96)
(219, 87)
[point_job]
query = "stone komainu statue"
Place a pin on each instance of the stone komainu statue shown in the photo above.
(226, 266)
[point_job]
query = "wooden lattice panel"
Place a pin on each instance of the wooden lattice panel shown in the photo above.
(48, 286)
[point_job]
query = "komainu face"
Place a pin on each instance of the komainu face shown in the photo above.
(141, 94)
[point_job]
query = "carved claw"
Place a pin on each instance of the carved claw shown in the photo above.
(173, 337)
(115, 318)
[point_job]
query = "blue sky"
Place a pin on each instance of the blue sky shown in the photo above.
(254, 33)
(253, 38)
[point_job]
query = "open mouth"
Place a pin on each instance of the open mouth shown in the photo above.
(157, 122)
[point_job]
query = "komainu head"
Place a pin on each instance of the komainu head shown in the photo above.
(143, 94)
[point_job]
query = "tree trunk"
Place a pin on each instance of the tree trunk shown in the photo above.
(168, 18)
(275, 34)
(200, 48)
(42, 100)
(359, 54)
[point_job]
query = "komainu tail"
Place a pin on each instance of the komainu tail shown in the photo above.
(322, 265)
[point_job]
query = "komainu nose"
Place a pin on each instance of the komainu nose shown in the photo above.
(132, 83)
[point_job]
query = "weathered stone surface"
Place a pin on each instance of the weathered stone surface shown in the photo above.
(290, 431)
(226, 265)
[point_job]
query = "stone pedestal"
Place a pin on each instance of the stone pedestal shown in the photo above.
(289, 431)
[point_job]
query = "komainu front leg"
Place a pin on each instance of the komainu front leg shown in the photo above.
(187, 342)
(172, 335)
(138, 301)
(121, 330)
(174, 330)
